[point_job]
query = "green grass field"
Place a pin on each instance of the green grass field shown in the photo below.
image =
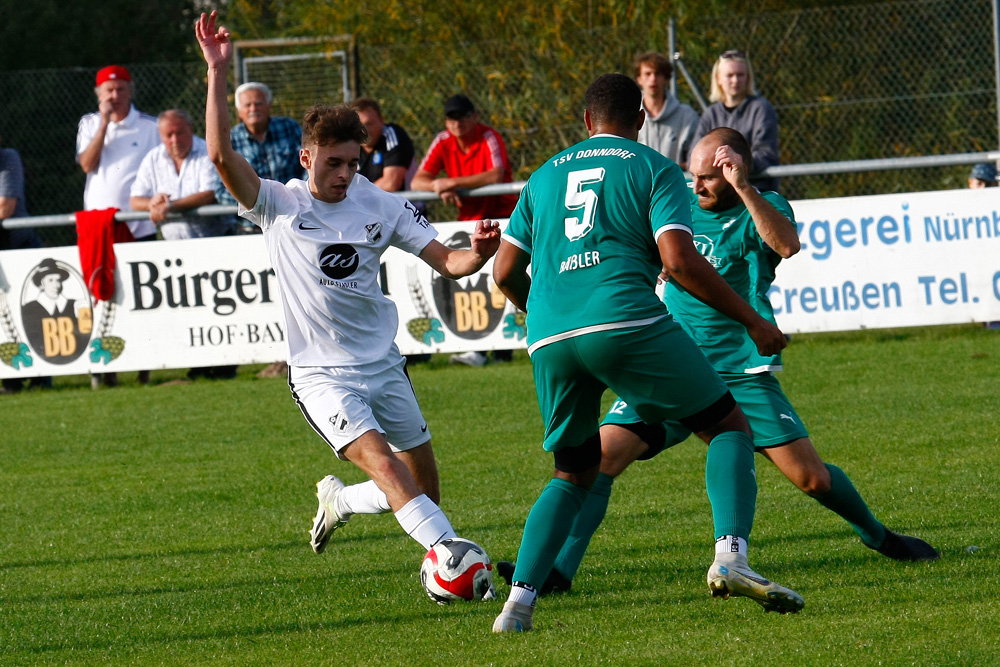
(167, 525)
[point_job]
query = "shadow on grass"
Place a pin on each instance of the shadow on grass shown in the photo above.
(234, 549)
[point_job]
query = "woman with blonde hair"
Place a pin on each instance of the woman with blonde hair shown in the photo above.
(737, 105)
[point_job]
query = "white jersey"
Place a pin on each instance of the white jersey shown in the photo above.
(327, 258)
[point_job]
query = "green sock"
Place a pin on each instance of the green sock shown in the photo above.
(590, 517)
(732, 483)
(845, 500)
(545, 531)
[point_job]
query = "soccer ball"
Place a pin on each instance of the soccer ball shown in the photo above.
(457, 569)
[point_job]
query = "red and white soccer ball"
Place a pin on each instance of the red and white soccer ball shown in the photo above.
(457, 569)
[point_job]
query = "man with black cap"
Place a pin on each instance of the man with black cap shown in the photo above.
(983, 175)
(471, 155)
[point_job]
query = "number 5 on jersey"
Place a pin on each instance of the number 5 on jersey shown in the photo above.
(578, 198)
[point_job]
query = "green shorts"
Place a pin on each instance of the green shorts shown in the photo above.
(771, 416)
(656, 368)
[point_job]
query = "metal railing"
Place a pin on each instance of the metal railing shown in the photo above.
(781, 171)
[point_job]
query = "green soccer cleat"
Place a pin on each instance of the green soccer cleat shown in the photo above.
(327, 519)
(739, 580)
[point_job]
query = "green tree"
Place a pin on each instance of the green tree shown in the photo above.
(54, 33)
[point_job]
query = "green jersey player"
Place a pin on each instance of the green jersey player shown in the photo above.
(596, 222)
(743, 234)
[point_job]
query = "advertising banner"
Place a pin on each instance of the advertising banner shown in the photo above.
(892, 261)
(866, 262)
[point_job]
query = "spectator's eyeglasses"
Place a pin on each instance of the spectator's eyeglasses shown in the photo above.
(732, 53)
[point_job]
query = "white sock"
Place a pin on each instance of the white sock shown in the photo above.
(424, 521)
(364, 498)
(522, 595)
(730, 547)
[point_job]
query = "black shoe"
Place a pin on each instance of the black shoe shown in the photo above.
(506, 571)
(555, 583)
(904, 547)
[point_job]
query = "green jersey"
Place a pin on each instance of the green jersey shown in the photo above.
(730, 242)
(589, 218)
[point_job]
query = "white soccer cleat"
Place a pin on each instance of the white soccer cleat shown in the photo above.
(515, 617)
(327, 519)
(469, 359)
(737, 579)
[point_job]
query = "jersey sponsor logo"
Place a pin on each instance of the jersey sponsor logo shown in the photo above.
(374, 232)
(338, 261)
(706, 247)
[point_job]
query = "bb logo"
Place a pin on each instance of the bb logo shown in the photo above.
(471, 308)
(55, 310)
(338, 261)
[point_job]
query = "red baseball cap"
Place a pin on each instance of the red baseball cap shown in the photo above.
(113, 73)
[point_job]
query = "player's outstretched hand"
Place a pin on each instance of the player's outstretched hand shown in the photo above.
(215, 44)
(486, 238)
(767, 337)
(733, 169)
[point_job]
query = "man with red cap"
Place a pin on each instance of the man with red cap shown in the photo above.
(110, 145)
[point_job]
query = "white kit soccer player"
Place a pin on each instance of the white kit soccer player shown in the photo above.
(325, 238)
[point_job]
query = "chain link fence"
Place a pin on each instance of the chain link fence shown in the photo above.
(870, 81)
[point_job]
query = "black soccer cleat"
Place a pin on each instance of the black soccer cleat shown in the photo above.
(554, 583)
(904, 547)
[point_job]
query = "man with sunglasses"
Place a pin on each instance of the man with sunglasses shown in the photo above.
(738, 106)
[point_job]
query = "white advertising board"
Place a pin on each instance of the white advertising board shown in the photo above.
(866, 262)
(892, 261)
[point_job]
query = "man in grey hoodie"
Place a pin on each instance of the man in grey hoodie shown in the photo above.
(670, 125)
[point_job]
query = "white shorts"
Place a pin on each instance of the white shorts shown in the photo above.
(341, 404)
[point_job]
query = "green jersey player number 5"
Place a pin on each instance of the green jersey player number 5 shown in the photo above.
(579, 198)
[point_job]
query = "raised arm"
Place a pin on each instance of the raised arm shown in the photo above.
(778, 232)
(693, 272)
(236, 173)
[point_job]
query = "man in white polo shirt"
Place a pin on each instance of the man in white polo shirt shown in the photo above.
(177, 176)
(111, 143)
